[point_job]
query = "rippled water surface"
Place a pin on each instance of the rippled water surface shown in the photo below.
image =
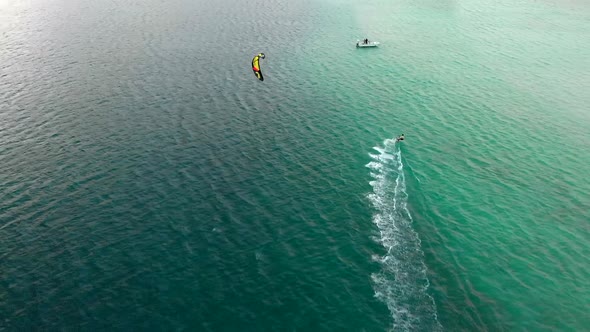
(149, 181)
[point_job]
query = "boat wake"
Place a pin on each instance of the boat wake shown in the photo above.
(402, 282)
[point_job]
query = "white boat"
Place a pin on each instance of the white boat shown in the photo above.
(361, 43)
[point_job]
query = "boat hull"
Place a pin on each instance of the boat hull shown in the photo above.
(359, 44)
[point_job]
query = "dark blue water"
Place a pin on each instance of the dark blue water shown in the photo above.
(150, 183)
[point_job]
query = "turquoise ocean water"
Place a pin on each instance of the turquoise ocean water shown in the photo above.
(149, 182)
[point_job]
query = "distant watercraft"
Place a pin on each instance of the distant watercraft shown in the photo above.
(362, 43)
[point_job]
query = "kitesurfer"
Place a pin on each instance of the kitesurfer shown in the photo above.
(400, 138)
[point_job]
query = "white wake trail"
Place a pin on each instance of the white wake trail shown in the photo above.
(402, 282)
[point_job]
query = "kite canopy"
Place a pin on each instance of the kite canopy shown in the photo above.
(256, 65)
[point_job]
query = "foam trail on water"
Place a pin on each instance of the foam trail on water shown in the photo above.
(402, 282)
